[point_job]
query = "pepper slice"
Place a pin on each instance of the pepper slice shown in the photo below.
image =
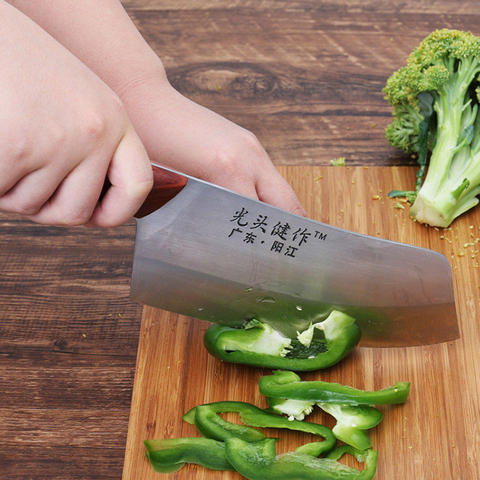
(288, 385)
(352, 423)
(258, 344)
(259, 461)
(170, 455)
(236, 447)
(209, 423)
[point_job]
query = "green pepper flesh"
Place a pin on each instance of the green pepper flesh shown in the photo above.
(236, 345)
(208, 422)
(170, 455)
(259, 461)
(288, 385)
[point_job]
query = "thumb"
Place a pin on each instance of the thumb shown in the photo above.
(131, 178)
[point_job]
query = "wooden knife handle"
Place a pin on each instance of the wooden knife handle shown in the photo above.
(166, 185)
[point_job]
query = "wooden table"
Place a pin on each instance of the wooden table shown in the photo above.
(306, 77)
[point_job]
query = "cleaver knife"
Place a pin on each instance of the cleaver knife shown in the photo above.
(206, 252)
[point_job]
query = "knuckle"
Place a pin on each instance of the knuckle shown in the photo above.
(246, 146)
(73, 213)
(15, 147)
(299, 210)
(251, 141)
(59, 137)
(252, 145)
(26, 207)
(76, 216)
(95, 126)
(100, 124)
(241, 158)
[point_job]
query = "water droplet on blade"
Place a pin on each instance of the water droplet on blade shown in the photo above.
(267, 300)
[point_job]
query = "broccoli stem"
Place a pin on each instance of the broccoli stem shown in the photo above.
(451, 184)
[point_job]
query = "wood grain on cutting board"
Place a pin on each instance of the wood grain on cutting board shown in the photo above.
(435, 435)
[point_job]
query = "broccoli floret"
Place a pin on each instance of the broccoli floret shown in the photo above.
(435, 98)
(338, 162)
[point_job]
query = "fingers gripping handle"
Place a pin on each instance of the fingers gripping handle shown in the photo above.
(166, 185)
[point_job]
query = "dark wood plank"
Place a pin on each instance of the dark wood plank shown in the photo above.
(44, 462)
(307, 79)
(60, 379)
(51, 277)
(68, 341)
(435, 7)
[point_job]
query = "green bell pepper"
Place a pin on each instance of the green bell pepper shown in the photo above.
(320, 346)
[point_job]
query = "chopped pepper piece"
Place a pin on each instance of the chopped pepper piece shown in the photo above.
(251, 453)
(352, 423)
(288, 385)
(259, 461)
(170, 455)
(258, 344)
(209, 423)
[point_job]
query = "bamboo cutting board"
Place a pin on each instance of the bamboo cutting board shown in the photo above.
(435, 435)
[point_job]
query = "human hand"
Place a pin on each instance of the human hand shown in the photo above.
(187, 137)
(62, 132)
(176, 132)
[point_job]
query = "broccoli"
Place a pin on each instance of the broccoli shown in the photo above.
(435, 98)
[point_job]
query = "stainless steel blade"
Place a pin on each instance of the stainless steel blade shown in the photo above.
(216, 255)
